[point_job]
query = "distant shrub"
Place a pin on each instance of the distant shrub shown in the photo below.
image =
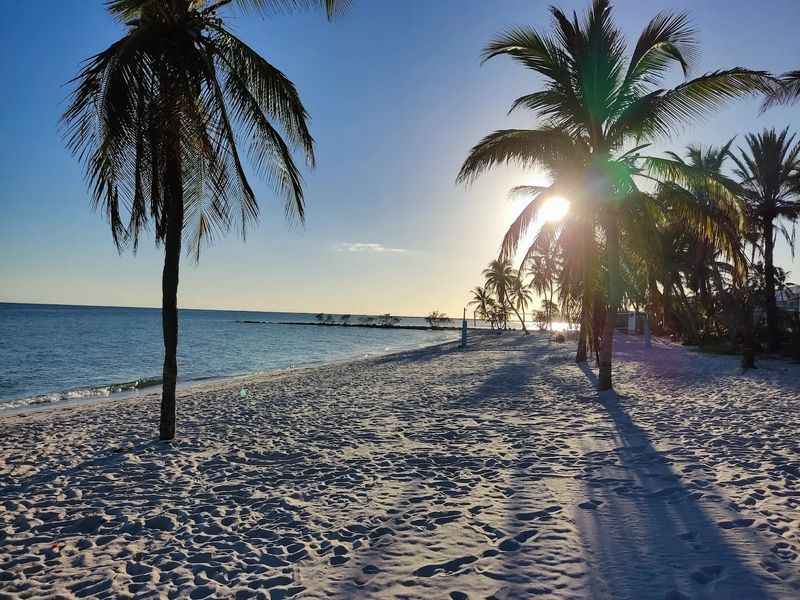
(436, 319)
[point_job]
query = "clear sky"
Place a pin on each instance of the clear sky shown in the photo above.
(397, 97)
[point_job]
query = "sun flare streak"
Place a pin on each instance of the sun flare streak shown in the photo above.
(554, 209)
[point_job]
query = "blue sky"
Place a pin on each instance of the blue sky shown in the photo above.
(397, 97)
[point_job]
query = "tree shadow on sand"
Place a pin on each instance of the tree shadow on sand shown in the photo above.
(648, 536)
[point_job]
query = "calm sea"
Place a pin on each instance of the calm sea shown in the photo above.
(52, 353)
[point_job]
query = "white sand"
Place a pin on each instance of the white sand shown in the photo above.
(493, 472)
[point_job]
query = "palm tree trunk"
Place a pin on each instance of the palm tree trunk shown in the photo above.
(748, 339)
(169, 291)
(769, 281)
(692, 335)
(587, 242)
(668, 320)
(580, 355)
(521, 319)
(607, 343)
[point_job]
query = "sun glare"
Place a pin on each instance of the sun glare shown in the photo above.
(554, 209)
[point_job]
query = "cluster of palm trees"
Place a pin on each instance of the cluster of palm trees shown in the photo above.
(677, 236)
(506, 292)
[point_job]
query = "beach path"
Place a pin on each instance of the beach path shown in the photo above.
(491, 472)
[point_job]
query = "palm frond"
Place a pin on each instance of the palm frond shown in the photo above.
(662, 113)
(522, 147)
(786, 92)
(519, 227)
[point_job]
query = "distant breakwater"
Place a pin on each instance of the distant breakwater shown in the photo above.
(362, 325)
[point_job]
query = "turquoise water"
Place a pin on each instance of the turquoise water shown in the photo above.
(53, 353)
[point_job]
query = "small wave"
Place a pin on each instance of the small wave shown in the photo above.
(83, 393)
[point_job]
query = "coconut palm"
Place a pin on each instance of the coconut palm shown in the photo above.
(543, 266)
(769, 169)
(519, 297)
(158, 117)
(482, 301)
(597, 107)
(702, 253)
(499, 277)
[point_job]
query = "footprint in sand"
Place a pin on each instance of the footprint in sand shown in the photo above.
(590, 504)
(340, 556)
(451, 566)
(736, 523)
(706, 575)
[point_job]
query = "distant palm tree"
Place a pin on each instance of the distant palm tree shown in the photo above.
(482, 301)
(499, 276)
(599, 107)
(543, 266)
(156, 119)
(769, 170)
(519, 296)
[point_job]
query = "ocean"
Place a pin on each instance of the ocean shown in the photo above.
(53, 354)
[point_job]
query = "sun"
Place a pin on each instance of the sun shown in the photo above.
(554, 209)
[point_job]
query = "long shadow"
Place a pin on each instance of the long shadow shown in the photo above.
(664, 544)
(510, 379)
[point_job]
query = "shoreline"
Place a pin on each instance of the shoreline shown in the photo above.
(183, 387)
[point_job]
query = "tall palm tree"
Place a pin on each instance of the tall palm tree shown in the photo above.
(158, 117)
(499, 277)
(519, 296)
(702, 250)
(769, 169)
(542, 262)
(598, 106)
(482, 301)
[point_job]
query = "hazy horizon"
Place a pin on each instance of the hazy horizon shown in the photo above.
(388, 230)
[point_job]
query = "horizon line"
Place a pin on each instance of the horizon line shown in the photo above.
(287, 312)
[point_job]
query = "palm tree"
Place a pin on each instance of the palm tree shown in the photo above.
(786, 92)
(482, 301)
(769, 169)
(597, 110)
(499, 277)
(543, 266)
(519, 296)
(156, 118)
(701, 251)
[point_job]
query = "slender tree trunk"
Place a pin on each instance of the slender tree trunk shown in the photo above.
(769, 281)
(668, 319)
(748, 339)
(692, 334)
(587, 241)
(521, 319)
(169, 291)
(607, 343)
(655, 303)
(580, 355)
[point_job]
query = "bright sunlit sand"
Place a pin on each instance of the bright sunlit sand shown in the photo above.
(496, 471)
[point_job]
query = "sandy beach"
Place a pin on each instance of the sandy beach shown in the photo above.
(492, 472)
